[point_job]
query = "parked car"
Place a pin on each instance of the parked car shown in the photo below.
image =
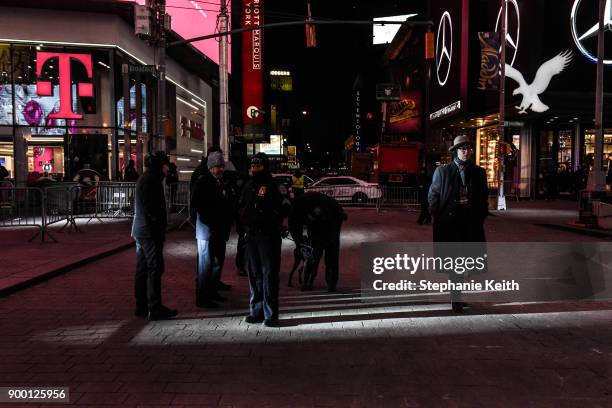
(346, 188)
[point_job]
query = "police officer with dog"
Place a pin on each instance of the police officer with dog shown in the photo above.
(323, 217)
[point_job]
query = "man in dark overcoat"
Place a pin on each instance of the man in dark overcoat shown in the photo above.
(458, 201)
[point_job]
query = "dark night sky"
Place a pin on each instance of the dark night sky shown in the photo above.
(323, 77)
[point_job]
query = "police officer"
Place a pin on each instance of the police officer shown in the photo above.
(323, 217)
(297, 183)
(261, 213)
(149, 232)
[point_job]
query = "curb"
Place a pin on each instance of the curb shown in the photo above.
(9, 290)
(579, 230)
(61, 270)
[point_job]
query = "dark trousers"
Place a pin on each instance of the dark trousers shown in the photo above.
(241, 252)
(329, 244)
(456, 229)
(211, 256)
(264, 257)
(149, 269)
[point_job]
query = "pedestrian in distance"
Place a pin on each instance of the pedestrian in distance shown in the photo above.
(3, 173)
(149, 232)
(261, 214)
(323, 217)
(212, 202)
(458, 202)
(424, 182)
(130, 174)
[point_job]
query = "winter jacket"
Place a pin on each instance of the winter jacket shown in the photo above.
(260, 207)
(212, 202)
(150, 207)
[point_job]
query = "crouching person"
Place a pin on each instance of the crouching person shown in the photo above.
(323, 217)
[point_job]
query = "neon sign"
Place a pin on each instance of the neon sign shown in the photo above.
(580, 39)
(444, 48)
(44, 88)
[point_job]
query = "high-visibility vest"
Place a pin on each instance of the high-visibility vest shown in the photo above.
(297, 182)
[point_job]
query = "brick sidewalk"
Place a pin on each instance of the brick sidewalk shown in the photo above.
(23, 261)
(77, 330)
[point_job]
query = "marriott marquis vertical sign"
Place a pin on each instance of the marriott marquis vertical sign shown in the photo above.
(252, 62)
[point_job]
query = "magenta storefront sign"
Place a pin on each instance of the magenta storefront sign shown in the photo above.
(44, 88)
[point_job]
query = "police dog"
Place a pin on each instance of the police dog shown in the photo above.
(300, 255)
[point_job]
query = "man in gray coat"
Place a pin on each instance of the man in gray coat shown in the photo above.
(458, 201)
(458, 197)
(149, 232)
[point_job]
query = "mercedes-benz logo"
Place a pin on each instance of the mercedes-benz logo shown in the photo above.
(513, 29)
(444, 48)
(583, 36)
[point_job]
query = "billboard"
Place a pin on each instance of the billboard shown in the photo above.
(34, 111)
(274, 148)
(383, 34)
(194, 19)
(252, 64)
(404, 116)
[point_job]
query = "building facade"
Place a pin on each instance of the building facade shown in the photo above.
(550, 89)
(65, 77)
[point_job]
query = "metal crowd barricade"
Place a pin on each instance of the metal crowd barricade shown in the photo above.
(180, 201)
(114, 200)
(59, 204)
(400, 197)
(23, 207)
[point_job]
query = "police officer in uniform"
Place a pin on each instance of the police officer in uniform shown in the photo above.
(261, 213)
(323, 217)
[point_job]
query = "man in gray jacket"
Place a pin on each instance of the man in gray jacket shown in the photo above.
(458, 197)
(149, 232)
(458, 201)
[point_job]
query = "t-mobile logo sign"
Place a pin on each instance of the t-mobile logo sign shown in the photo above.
(44, 88)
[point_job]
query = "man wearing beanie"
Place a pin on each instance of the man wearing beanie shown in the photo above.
(212, 205)
(261, 214)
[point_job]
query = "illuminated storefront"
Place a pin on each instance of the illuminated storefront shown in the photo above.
(548, 114)
(63, 98)
(487, 148)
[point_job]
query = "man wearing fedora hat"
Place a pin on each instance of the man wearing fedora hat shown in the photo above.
(458, 200)
(458, 196)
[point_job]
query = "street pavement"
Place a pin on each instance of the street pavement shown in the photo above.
(332, 350)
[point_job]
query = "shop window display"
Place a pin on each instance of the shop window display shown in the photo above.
(488, 142)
